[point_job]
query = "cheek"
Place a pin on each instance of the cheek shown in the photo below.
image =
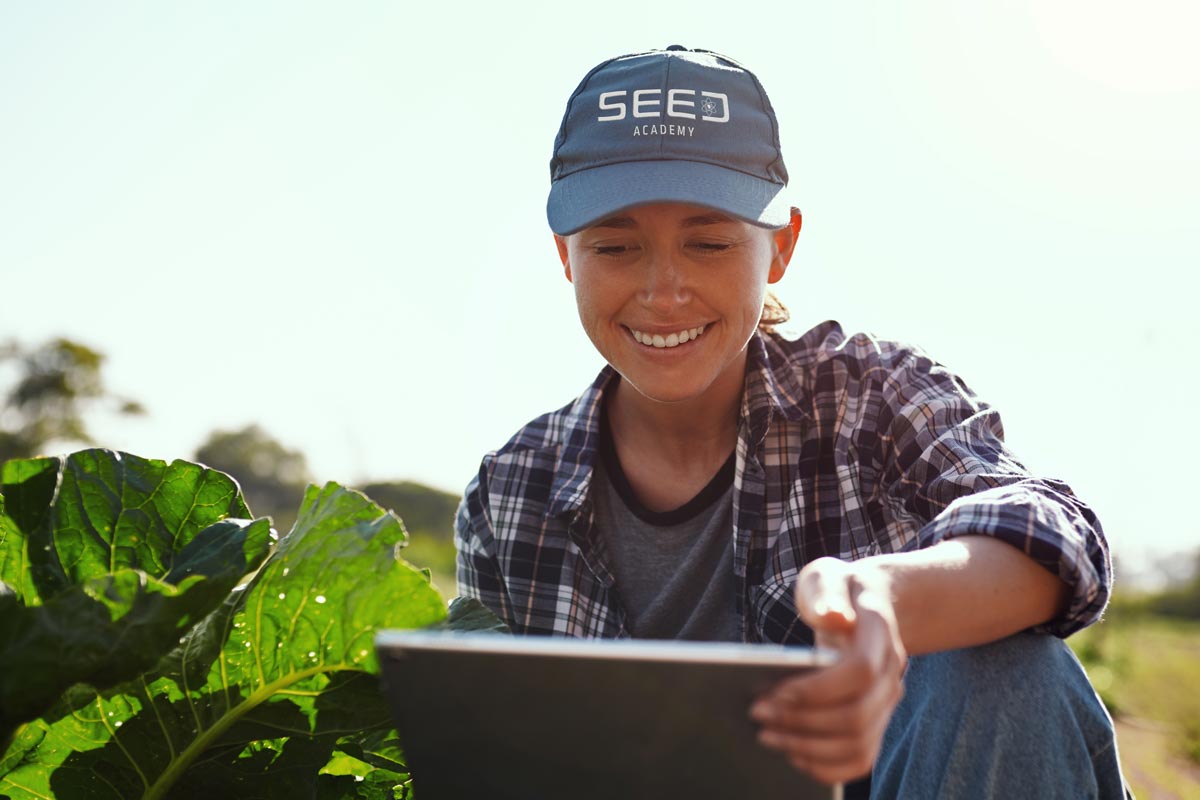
(594, 295)
(594, 311)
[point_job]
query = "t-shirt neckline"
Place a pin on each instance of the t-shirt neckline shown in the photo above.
(710, 494)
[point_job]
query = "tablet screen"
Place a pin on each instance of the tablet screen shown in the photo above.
(487, 715)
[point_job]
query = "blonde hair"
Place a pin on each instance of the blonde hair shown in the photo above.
(774, 313)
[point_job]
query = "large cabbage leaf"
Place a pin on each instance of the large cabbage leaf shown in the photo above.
(109, 559)
(257, 698)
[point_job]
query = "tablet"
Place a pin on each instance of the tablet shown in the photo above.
(485, 715)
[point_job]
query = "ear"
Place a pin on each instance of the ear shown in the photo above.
(561, 243)
(785, 246)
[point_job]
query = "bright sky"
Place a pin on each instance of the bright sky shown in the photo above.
(329, 218)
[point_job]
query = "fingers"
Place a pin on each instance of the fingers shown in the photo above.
(856, 718)
(859, 716)
(834, 744)
(830, 722)
(829, 687)
(873, 653)
(841, 759)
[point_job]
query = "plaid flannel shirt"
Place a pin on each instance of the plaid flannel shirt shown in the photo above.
(847, 447)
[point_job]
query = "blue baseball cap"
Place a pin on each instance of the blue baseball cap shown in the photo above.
(674, 125)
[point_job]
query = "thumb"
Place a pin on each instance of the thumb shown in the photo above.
(823, 599)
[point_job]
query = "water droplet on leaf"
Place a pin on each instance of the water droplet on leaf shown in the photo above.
(320, 598)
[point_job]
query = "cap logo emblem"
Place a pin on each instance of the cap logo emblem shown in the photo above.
(679, 103)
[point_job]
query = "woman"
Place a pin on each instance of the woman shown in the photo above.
(721, 481)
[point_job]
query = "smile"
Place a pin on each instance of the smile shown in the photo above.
(670, 340)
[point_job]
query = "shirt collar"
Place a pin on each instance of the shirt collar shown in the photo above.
(580, 444)
(774, 386)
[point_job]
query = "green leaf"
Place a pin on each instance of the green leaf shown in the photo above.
(22, 740)
(378, 748)
(468, 614)
(113, 627)
(98, 511)
(29, 486)
(117, 510)
(274, 752)
(267, 683)
(377, 784)
(373, 758)
(105, 620)
(14, 563)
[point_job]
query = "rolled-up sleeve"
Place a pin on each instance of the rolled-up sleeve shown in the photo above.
(944, 461)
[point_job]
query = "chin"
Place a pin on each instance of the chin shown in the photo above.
(664, 391)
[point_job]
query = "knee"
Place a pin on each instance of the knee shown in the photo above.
(1023, 677)
(1022, 662)
(1017, 712)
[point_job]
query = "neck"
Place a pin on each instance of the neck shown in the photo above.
(698, 430)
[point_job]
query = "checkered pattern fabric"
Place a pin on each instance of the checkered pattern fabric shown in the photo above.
(848, 446)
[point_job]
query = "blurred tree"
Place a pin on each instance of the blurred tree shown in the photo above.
(426, 511)
(272, 477)
(1182, 597)
(54, 384)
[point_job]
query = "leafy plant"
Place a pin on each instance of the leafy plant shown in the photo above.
(156, 642)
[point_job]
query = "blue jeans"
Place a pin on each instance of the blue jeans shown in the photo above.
(1012, 719)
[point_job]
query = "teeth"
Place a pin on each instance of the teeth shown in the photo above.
(670, 340)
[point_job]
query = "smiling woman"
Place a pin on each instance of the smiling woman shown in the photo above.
(721, 481)
(670, 294)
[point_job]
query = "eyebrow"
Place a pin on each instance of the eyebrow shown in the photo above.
(706, 219)
(626, 222)
(616, 222)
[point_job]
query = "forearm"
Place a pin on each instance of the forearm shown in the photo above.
(964, 591)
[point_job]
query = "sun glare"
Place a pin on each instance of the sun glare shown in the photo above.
(1147, 46)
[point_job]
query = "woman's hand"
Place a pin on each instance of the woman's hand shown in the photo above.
(830, 723)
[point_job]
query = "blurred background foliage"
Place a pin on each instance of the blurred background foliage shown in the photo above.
(1144, 660)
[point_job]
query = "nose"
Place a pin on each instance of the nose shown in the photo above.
(666, 285)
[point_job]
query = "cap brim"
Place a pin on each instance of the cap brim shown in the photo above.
(588, 196)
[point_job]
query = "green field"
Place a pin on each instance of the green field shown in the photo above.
(1146, 668)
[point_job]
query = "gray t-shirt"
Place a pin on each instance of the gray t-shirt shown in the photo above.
(674, 569)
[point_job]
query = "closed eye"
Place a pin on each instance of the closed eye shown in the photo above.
(611, 249)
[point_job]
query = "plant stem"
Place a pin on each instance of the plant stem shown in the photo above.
(180, 764)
